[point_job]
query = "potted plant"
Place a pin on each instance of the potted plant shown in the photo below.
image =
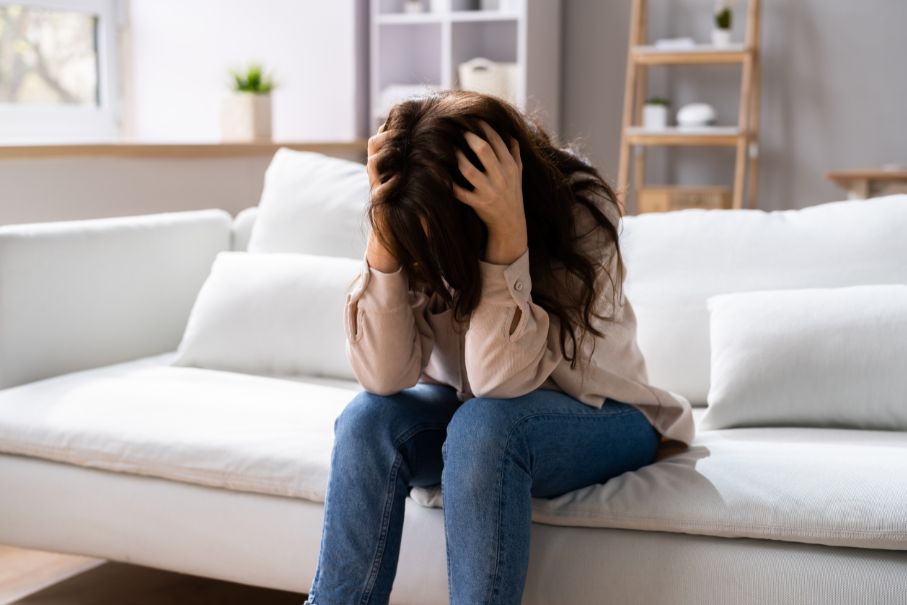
(721, 31)
(246, 110)
(655, 113)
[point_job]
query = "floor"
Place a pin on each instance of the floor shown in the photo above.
(30, 577)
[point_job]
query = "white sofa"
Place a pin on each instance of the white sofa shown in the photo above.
(107, 450)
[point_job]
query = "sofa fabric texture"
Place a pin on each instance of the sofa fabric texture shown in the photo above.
(274, 436)
(677, 260)
(312, 204)
(271, 314)
(821, 357)
(88, 293)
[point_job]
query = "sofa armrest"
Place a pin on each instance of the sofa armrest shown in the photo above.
(86, 293)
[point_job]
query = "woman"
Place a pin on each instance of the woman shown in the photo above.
(497, 351)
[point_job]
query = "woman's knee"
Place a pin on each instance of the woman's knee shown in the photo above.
(365, 410)
(483, 427)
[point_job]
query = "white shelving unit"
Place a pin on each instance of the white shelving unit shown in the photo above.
(425, 49)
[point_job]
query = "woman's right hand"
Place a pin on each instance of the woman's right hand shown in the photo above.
(378, 256)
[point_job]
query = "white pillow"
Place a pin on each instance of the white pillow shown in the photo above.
(312, 204)
(273, 314)
(824, 357)
(676, 260)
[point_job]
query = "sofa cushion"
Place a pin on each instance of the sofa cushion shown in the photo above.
(262, 313)
(274, 436)
(312, 203)
(832, 357)
(676, 260)
(838, 487)
(209, 427)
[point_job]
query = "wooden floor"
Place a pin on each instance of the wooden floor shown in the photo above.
(29, 577)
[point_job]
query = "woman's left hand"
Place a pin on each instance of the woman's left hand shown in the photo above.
(498, 194)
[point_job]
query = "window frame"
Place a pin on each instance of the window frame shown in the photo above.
(21, 123)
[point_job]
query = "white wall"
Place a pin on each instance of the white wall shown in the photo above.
(180, 55)
(182, 50)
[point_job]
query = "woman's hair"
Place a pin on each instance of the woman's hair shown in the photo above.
(439, 240)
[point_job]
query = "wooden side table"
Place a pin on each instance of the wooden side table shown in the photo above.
(871, 182)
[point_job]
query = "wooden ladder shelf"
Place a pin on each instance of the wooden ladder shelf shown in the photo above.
(743, 137)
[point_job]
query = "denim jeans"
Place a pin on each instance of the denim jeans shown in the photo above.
(491, 456)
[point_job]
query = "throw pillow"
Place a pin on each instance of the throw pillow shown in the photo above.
(312, 203)
(823, 357)
(272, 314)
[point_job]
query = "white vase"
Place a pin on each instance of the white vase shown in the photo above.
(246, 117)
(721, 37)
(654, 116)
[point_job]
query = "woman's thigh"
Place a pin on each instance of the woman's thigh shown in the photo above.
(561, 442)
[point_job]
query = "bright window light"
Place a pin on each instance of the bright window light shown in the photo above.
(57, 70)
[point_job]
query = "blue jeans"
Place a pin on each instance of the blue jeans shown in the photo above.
(491, 456)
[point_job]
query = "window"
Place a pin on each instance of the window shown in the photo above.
(58, 70)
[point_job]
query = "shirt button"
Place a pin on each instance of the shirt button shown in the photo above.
(517, 285)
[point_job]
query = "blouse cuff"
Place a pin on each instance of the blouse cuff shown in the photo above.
(380, 291)
(507, 283)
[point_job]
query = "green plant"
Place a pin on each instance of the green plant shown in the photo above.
(658, 101)
(252, 80)
(723, 18)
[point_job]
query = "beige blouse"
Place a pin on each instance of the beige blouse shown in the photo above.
(397, 337)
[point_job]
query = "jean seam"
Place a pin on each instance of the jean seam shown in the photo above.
(382, 538)
(493, 587)
(388, 504)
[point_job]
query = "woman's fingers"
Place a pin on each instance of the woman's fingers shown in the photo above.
(373, 147)
(469, 171)
(375, 141)
(495, 140)
(484, 151)
(464, 195)
(515, 152)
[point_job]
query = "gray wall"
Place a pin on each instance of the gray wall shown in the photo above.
(834, 90)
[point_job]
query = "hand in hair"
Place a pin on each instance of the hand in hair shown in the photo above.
(497, 196)
(377, 255)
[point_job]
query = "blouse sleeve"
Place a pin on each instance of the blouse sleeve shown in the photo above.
(388, 339)
(503, 363)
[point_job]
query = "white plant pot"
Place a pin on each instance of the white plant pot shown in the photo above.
(721, 37)
(654, 117)
(245, 117)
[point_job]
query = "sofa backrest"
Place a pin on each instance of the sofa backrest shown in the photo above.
(676, 260)
(242, 228)
(87, 293)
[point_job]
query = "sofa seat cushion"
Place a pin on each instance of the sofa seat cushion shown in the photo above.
(274, 436)
(209, 427)
(837, 487)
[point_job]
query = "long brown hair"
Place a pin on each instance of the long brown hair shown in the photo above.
(439, 240)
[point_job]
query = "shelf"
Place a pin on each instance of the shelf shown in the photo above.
(429, 47)
(488, 15)
(454, 16)
(673, 135)
(170, 150)
(699, 54)
(402, 18)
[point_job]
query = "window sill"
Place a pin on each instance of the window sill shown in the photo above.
(352, 149)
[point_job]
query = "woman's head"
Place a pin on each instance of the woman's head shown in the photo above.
(439, 239)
